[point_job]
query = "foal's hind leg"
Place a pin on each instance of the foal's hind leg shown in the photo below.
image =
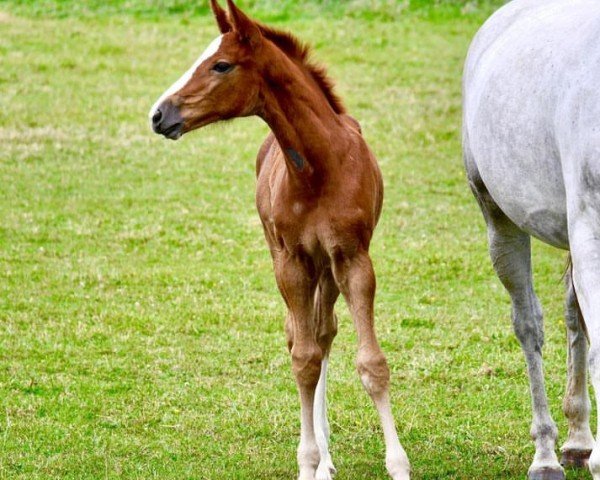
(510, 251)
(576, 405)
(325, 298)
(356, 280)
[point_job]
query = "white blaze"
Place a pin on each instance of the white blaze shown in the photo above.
(185, 78)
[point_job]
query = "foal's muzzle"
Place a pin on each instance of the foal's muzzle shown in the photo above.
(167, 121)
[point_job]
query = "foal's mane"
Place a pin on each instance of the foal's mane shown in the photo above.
(300, 51)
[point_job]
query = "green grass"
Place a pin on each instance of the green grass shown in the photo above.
(382, 10)
(141, 332)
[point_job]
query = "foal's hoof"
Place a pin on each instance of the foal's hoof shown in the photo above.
(575, 458)
(546, 473)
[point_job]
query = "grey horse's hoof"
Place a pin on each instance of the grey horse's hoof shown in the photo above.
(575, 458)
(546, 474)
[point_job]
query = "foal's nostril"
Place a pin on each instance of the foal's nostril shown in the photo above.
(157, 117)
(166, 120)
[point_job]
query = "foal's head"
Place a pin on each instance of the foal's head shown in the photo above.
(222, 84)
(227, 80)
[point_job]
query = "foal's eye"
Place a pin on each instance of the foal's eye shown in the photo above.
(222, 67)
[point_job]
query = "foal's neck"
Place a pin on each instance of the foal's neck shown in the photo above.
(309, 131)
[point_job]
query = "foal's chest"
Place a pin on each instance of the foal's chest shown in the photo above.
(318, 220)
(315, 227)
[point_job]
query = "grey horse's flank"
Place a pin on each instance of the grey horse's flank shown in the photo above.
(531, 142)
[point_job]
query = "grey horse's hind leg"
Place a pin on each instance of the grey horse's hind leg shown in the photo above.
(583, 203)
(511, 255)
(510, 251)
(576, 405)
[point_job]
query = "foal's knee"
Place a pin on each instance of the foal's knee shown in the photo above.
(306, 364)
(373, 370)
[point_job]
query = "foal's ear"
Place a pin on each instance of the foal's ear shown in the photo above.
(220, 16)
(246, 29)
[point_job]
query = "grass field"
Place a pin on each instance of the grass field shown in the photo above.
(141, 332)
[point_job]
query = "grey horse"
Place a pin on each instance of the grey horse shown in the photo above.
(531, 142)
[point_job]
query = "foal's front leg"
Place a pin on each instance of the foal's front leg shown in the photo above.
(356, 280)
(297, 288)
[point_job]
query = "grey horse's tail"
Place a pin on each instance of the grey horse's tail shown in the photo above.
(568, 277)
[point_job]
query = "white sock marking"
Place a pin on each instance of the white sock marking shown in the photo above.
(326, 467)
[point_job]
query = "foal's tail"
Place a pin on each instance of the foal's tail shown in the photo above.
(568, 277)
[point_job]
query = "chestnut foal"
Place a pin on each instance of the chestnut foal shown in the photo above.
(319, 196)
